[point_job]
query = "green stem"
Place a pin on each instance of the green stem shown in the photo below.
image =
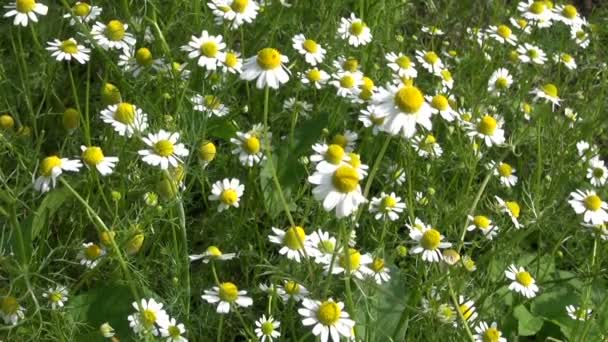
(471, 212)
(376, 166)
(584, 305)
(345, 235)
(245, 326)
(457, 306)
(220, 329)
(87, 129)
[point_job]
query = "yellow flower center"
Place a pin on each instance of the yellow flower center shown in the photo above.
(214, 251)
(533, 53)
(228, 292)
(491, 335)
(501, 83)
(430, 140)
(292, 288)
(328, 313)
(376, 119)
(524, 278)
(110, 94)
(81, 9)
(355, 160)
(25, 6)
(569, 12)
(404, 62)
(513, 208)
(148, 317)
(267, 328)
(48, 164)
(269, 58)
(598, 172)
(388, 203)
(593, 202)
(251, 145)
(174, 332)
(431, 57)
(566, 58)
(550, 89)
(334, 154)
(125, 113)
(522, 23)
(345, 179)
(107, 237)
(340, 140)
(69, 46)
(354, 260)
(446, 75)
(504, 31)
(377, 265)
(368, 84)
(347, 81)
(351, 64)
(229, 197)
(209, 49)
(231, 60)
(538, 7)
(481, 222)
(356, 28)
(314, 75)
(207, 151)
(505, 170)
(409, 99)
(431, 239)
(466, 311)
(527, 108)
(294, 238)
(92, 252)
(164, 148)
(310, 46)
(93, 155)
(9, 305)
(548, 3)
(144, 57)
(115, 30)
(55, 297)
(239, 5)
(326, 246)
(440, 102)
(581, 34)
(212, 102)
(487, 125)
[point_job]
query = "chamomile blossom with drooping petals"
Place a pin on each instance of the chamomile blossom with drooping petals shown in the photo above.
(51, 168)
(597, 173)
(57, 296)
(250, 146)
(447, 82)
(500, 81)
(10, 310)
(565, 59)
(293, 241)
(291, 290)
(354, 31)
(578, 313)
(549, 93)
(440, 104)
(379, 272)
(537, 12)
(209, 104)
(150, 316)
(405, 108)
(267, 68)
(232, 62)
(68, 49)
(467, 309)
(126, 118)
(90, 254)
(429, 242)
(484, 225)
(522, 24)
(429, 60)
(173, 331)
(235, 12)
(228, 192)
(207, 50)
(113, 35)
(372, 117)
(529, 53)
(212, 253)
(356, 264)
(505, 172)
(93, 157)
(322, 246)
(512, 209)
(328, 319)
(294, 105)
(590, 205)
(427, 146)
(387, 206)
(488, 129)
(401, 65)
(347, 140)
(225, 295)
(488, 333)
(580, 37)
(315, 77)
(568, 14)
(523, 282)
(25, 10)
(502, 34)
(338, 189)
(137, 61)
(313, 53)
(163, 149)
(83, 13)
(267, 328)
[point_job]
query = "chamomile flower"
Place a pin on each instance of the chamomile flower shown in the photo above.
(90, 254)
(356, 264)
(292, 290)
(267, 67)
(347, 140)
(582, 147)
(267, 328)
(432, 30)
(446, 314)
(529, 53)
(511, 208)
(565, 59)
(328, 157)
(150, 316)
(322, 246)
(580, 37)
(467, 309)
(313, 53)
(207, 50)
(93, 157)
(328, 318)
(163, 150)
(401, 65)
(405, 108)
(571, 117)
(597, 173)
(523, 282)
(488, 333)
(209, 104)
(348, 84)
(568, 14)
(23, 10)
(235, 12)
(51, 168)
(537, 12)
(502, 34)
(488, 129)
(227, 294)
(338, 189)
(350, 64)
(484, 225)
(293, 241)
(505, 172)
(57, 296)
(427, 146)
(294, 105)
(590, 205)
(232, 62)
(500, 81)
(228, 192)
(379, 272)
(521, 24)
(429, 60)
(440, 104)
(429, 242)
(67, 50)
(578, 313)
(250, 146)
(212, 253)
(126, 118)
(372, 117)
(387, 206)
(173, 331)
(447, 82)
(83, 13)
(113, 35)
(10, 310)
(138, 61)
(549, 93)
(315, 77)
(355, 31)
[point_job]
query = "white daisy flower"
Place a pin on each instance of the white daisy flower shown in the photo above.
(235, 12)
(549, 93)
(209, 104)
(343, 64)
(447, 82)
(207, 49)
(250, 146)
(294, 105)
(328, 318)
(401, 65)
(83, 13)
(267, 328)
(405, 108)
(10, 310)
(396, 175)
(313, 53)
(568, 14)
(232, 62)
(522, 281)
(90, 254)
(151, 317)
(467, 308)
(512, 209)
(322, 246)
(315, 77)
(505, 172)
(347, 139)
(379, 272)
(228, 192)
(500, 81)
(571, 116)
(484, 224)
(113, 35)
(51, 168)
(418, 224)
(357, 264)
(502, 34)
(267, 67)
(565, 59)
(338, 189)
(578, 313)
(328, 157)
(173, 331)
(487, 333)
(427, 146)
(488, 129)
(387, 206)
(138, 61)
(590, 205)
(433, 31)
(292, 290)
(597, 173)
(440, 104)
(580, 37)
(429, 60)
(212, 253)
(68, 49)
(429, 242)
(126, 118)
(537, 12)
(225, 295)
(57, 296)
(93, 157)
(372, 117)
(522, 24)
(24, 10)
(355, 31)
(293, 241)
(348, 84)
(529, 53)
(582, 147)
(163, 149)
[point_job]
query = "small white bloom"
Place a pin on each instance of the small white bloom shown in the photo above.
(228, 192)
(163, 150)
(522, 281)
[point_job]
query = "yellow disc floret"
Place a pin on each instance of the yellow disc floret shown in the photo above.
(481, 222)
(353, 262)
(209, 49)
(431, 239)
(239, 5)
(25, 6)
(81, 9)
(334, 154)
(206, 151)
(328, 313)
(164, 148)
(269, 58)
(144, 57)
(310, 46)
(504, 31)
(491, 335)
(524, 278)
(92, 252)
(440, 102)
(593, 202)
(314, 75)
(251, 145)
(551, 90)
(115, 30)
(294, 238)
(513, 208)
(487, 125)
(92, 156)
(228, 292)
(7, 122)
(69, 46)
(404, 62)
(9, 305)
(229, 196)
(345, 179)
(431, 57)
(409, 99)
(48, 164)
(505, 170)
(356, 28)
(538, 7)
(125, 113)
(569, 12)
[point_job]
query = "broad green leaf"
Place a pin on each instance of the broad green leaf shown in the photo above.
(49, 205)
(527, 324)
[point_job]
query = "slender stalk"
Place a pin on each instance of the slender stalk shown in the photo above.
(220, 327)
(376, 166)
(87, 129)
(245, 326)
(471, 212)
(587, 325)
(457, 306)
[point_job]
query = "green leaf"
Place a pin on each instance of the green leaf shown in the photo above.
(527, 324)
(49, 205)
